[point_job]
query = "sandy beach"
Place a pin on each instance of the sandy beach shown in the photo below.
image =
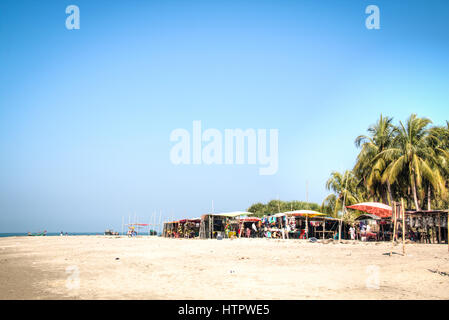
(106, 267)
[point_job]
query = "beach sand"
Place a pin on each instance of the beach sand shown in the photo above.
(108, 267)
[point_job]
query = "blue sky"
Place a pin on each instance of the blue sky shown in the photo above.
(85, 115)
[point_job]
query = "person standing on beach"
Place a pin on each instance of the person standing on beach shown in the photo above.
(254, 228)
(352, 232)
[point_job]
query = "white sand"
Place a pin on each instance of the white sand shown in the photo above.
(158, 268)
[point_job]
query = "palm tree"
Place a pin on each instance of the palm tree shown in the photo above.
(409, 161)
(345, 190)
(411, 156)
(439, 136)
(369, 168)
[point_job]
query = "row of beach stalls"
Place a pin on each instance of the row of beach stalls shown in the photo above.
(299, 224)
(381, 222)
(374, 222)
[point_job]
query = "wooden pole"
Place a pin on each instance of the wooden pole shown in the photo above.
(211, 226)
(160, 220)
(307, 228)
(394, 227)
(439, 228)
(403, 226)
(339, 230)
(324, 227)
(154, 221)
(344, 210)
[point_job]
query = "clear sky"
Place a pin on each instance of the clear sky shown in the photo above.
(86, 115)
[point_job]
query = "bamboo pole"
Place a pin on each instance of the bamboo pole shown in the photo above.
(439, 228)
(403, 226)
(344, 210)
(324, 227)
(154, 221)
(339, 230)
(159, 224)
(307, 227)
(394, 227)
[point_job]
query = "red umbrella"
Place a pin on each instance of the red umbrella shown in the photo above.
(377, 208)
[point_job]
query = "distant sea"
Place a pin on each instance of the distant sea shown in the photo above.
(49, 234)
(52, 234)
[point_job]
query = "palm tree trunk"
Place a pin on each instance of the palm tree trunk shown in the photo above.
(428, 198)
(409, 201)
(390, 196)
(415, 196)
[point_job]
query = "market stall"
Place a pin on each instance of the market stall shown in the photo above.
(249, 227)
(170, 229)
(213, 225)
(189, 228)
(305, 222)
(427, 226)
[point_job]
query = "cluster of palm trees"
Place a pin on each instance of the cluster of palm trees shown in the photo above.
(407, 161)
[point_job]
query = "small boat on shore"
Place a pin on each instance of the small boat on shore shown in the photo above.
(110, 232)
(38, 234)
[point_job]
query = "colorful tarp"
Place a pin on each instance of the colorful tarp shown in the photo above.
(379, 209)
(304, 213)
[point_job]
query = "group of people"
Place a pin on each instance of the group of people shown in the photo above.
(259, 230)
(362, 231)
